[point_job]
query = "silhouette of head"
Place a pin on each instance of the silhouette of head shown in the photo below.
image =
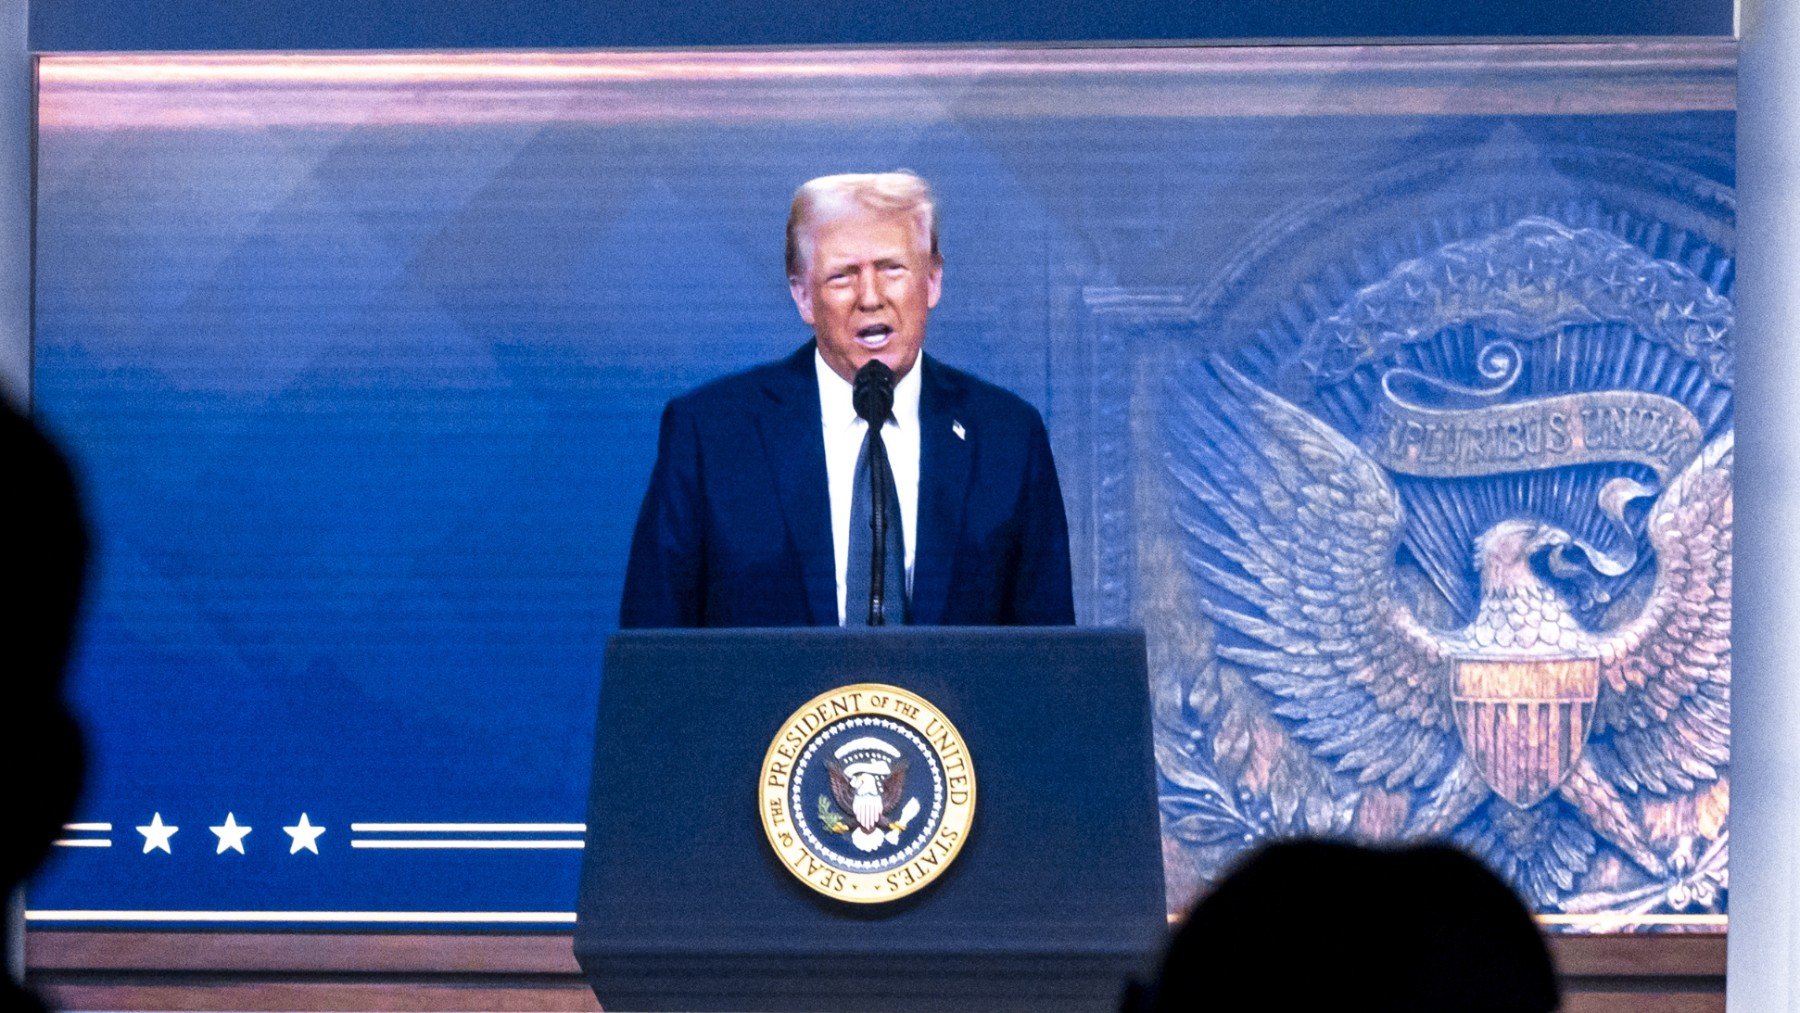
(40, 744)
(1308, 925)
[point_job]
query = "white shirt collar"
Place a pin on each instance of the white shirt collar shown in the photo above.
(837, 410)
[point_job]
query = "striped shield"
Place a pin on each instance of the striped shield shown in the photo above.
(1524, 721)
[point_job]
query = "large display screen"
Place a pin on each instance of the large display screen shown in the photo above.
(361, 359)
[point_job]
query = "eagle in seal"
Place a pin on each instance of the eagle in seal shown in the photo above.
(1295, 531)
(868, 785)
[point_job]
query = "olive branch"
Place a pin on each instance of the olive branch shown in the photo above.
(833, 820)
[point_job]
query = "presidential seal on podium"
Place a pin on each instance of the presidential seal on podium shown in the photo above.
(867, 793)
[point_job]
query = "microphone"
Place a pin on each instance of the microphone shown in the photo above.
(873, 396)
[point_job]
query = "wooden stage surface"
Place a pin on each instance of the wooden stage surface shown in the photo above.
(358, 971)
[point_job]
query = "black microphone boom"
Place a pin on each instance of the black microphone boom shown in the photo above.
(873, 396)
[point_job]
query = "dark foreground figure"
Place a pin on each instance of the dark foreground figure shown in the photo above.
(40, 745)
(1312, 925)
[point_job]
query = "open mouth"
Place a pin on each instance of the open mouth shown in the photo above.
(874, 335)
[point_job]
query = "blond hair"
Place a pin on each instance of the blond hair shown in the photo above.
(827, 198)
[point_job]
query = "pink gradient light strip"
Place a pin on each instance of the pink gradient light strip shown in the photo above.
(237, 90)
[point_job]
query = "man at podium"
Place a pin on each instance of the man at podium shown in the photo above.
(774, 502)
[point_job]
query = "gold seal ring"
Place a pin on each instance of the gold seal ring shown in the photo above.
(867, 793)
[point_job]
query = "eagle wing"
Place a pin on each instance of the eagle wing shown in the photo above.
(893, 788)
(840, 787)
(1294, 531)
(1665, 696)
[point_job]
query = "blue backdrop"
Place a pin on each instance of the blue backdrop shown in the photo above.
(362, 371)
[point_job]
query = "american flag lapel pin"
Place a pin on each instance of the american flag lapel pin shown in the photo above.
(957, 428)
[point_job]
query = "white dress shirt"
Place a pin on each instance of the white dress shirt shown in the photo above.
(844, 433)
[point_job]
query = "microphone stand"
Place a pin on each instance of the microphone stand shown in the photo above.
(873, 396)
(878, 526)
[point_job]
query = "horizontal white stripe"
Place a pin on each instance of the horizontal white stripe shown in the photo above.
(468, 828)
(84, 842)
(443, 917)
(1604, 918)
(466, 843)
(105, 828)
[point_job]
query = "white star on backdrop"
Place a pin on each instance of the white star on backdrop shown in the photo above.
(231, 835)
(157, 834)
(305, 835)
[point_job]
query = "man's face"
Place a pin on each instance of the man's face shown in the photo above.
(867, 290)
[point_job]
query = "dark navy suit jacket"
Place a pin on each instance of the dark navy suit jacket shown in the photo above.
(735, 529)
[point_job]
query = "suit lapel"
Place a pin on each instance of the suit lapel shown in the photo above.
(944, 461)
(794, 446)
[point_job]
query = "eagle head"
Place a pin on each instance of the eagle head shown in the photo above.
(1519, 610)
(1505, 552)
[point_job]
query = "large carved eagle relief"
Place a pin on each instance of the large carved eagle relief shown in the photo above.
(1486, 579)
